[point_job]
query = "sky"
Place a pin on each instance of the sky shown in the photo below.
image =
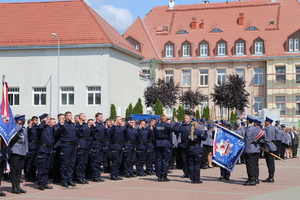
(120, 14)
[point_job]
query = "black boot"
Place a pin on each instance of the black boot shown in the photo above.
(247, 180)
(1, 193)
(270, 179)
(251, 182)
(256, 179)
(14, 188)
(20, 189)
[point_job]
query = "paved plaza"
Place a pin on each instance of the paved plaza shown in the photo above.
(285, 187)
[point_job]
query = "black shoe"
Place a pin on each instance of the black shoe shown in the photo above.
(221, 178)
(153, 173)
(80, 182)
(65, 185)
(72, 184)
(205, 167)
(41, 187)
(226, 178)
(165, 179)
(144, 174)
(140, 174)
(127, 176)
(169, 172)
(268, 180)
(113, 178)
(132, 175)
(198, 182)
(2, 194)
(149, 173)
(95, 180)
(48, 187)
(192, 181)
(85, 181)
(119, 178)
(159, 179)
(185, 176)
(20, 189)
(251, 182)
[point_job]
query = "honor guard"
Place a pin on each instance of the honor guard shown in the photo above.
(269, 145)
(46, 141)
(18, 151)
(278, 138)
(68, 151)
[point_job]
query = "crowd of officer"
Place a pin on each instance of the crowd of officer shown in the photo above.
(72, 150)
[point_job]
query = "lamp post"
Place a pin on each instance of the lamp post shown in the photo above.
(58, 55)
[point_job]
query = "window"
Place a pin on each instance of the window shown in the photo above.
(298, 74)
(221, 49)
(169, 51)
(203, 49)
(169, 76)
(280, 104)
(239, 48)
(67, 95)
(204, 77)
(147, 72)
(294, 44)
(94, 95)
(221, 76)
(186, 77)
(258, 48)
(137, 47)
(291, 44)
(280, 74)
(168, 111)
(252, 28)
(39, 96)
(134, 43)
(241, 73)
(258, 104)
(298, 105)
(258, 76)
(182, 32)
(186, 49)
(13, 96)
(216, 30)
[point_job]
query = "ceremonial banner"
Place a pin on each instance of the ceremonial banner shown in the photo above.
(228, 147)
(7, 123)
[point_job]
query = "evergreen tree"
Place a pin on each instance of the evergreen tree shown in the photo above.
(158, 110)
(181, 113)
(174, 113)
(138, 108)
(197, 114)
(113, 112)
(206, 113)
(233, 117)
(128, 111)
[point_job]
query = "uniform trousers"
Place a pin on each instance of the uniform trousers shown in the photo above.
(96, 161)
(30, 164)
(295, 150)
(204, 155)
(163, 155)
(194, 167)
(278, 147)
(43, 167)
(116, 157)
(282, 148)
(55, 166)
(81, 163)
(68, 161)
(16, 162)
(150, 158)
(270, 160)
(141, 160)
(106, 158)
(224, 172)
(128, 161)
(252, 164)
(184, 157)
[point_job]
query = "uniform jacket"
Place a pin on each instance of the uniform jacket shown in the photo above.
(163, 133)
(84, 136)
(209, 140)
(46, 138)
(32, 138)
(250, 135)
(117, 139)
(194, 146)
(143, 135)
(130, 136)
(19, 143)
(284, 137)
(67, 133)
(269, 140)
(278, 133)
(185, 130)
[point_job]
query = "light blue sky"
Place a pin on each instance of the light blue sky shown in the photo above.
(121, 13)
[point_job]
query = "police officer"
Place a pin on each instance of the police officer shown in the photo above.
(130, 136)
(278, 138)
(30, 161)
(68, 138)
(143, 135)
(251, 151)
(195, 151)
(46, 141)
(269, 145)
(18, 150)
(117, 139)
(98, 132)
(106, 151)
(208, 146)
(150, 156)
(83, 148)
(284, 141)
(162, 134)
(185, 130)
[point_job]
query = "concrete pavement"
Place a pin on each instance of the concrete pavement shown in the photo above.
(285, 187)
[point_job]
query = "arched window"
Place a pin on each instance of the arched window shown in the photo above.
(216, 30)
(240, 47)
(182, 32)
(258, 46)
(221, 48)
(203, 48)
(186, 49)
(169, 50)
(252, 28)
(293, 41)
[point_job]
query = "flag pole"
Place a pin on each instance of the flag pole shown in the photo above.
(272, 154)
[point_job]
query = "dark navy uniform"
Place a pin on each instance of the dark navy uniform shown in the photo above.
(68, 151)
(185, 130)
(130, 146)
(30, 162)
(194, 154)
(83, 148)
(162, 134)
(106, 152)
(143, 135)
(150, 155)
(116, 134)
(56, 161)
(98, 134)
(46, 141)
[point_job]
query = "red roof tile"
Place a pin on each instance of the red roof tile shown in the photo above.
(74, 22)
(258, 13)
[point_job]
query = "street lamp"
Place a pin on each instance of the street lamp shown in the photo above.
(58, 46)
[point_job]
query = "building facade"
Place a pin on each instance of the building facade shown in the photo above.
(199, 45)
(87, 67)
